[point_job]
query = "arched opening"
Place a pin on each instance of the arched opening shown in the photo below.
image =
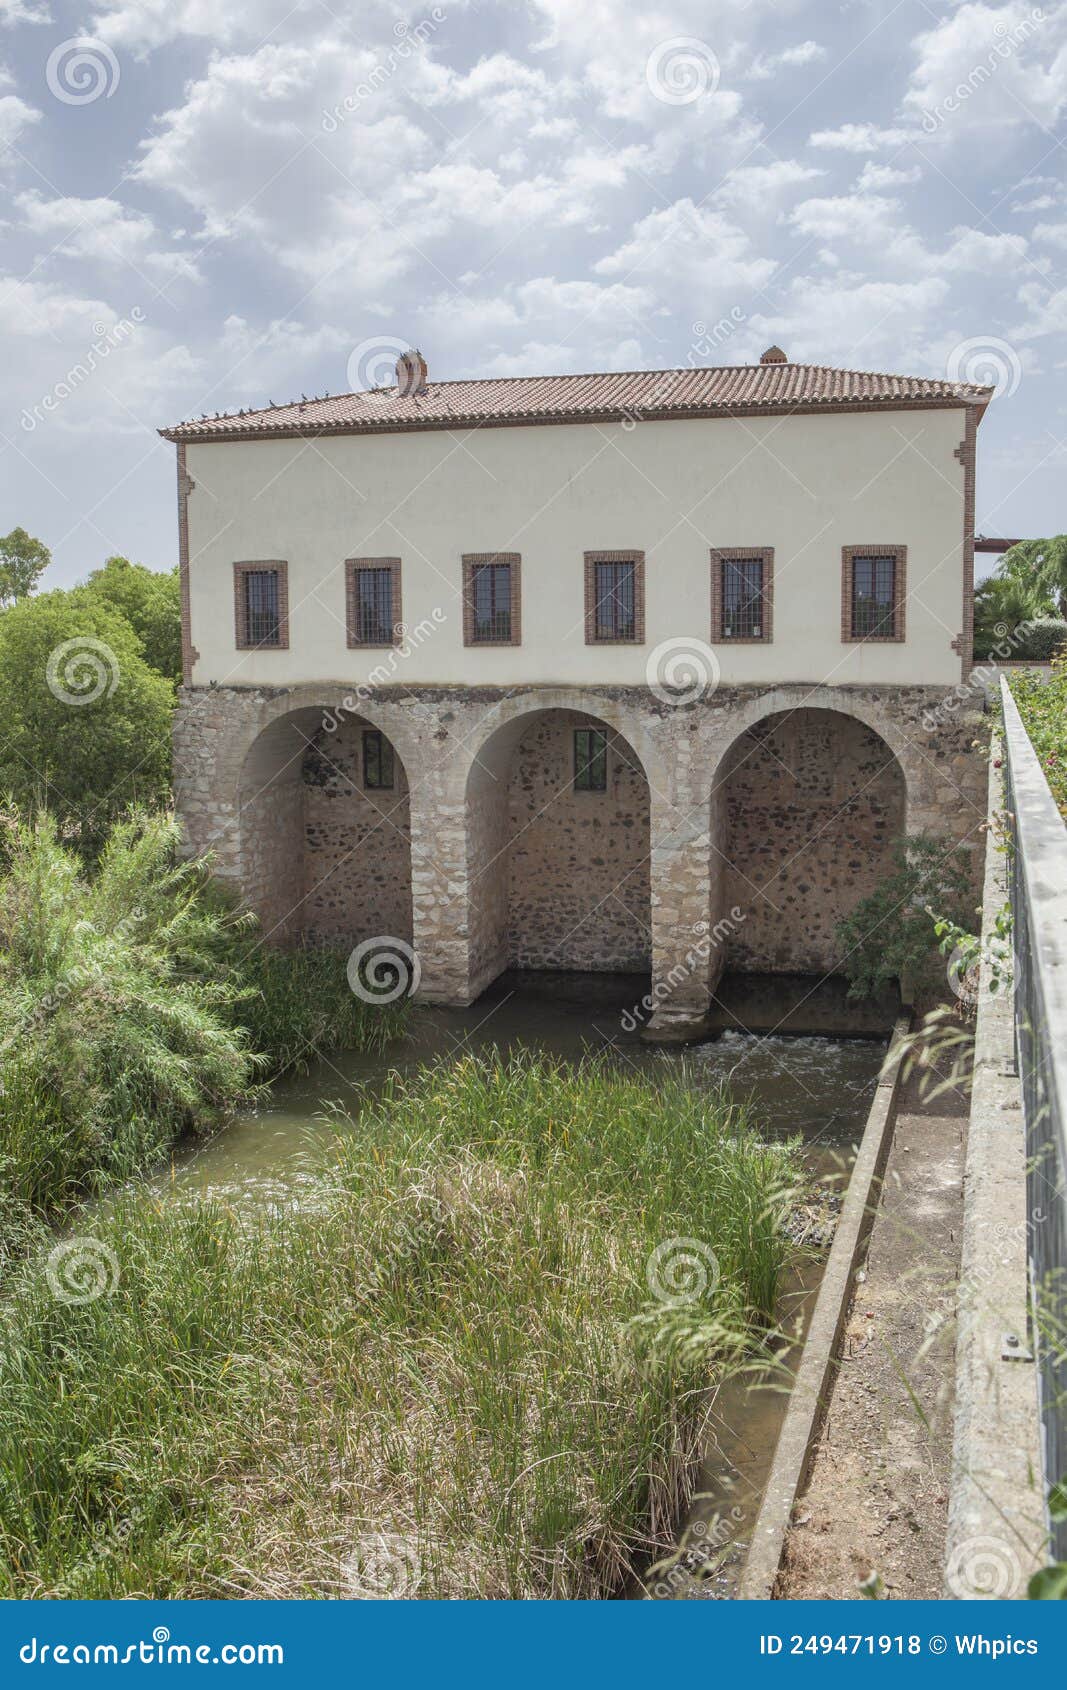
(808, 804)
(325, 831)
(557, 817)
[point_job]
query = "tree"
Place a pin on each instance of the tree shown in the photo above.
(150, 602)
(86, 721)
(23, 560)
(1002, 603)
(1041, 565)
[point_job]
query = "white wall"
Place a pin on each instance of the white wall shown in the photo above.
(804, 485)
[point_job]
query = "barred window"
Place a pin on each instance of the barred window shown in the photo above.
(590, 760)
(742, 598)
(373, 600)
(874, 597)
(491, 603)
(262, 621)
(378, 770)
(374, 606)
(615, 604)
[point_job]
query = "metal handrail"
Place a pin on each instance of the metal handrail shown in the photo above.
(1038, 885)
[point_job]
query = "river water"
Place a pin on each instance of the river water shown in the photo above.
(818, 1087)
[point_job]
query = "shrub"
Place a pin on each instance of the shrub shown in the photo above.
(1043, 707)
(1042, 639)
(890, 934)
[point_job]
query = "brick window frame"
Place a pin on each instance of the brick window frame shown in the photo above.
(720, 556)
(353, 567)
(256, 566)
(849, 554)
(472, 561)
(591, 561)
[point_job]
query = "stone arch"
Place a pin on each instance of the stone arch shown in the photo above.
(807, 800)
(556, 877)
(323, 855)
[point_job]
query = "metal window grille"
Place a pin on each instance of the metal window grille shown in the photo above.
(491, 602)
(378, 773)
(742, 599)
(590, 760)
(615, 601)
(262, 622)
(874, 597)
(374, 606)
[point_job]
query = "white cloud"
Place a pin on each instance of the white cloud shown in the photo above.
(1054, 234)
(860, 138)
(15, 116)
(14, 12)
(691, 245)
(754, 184)
(874, 177)
(764, 67)
(989, 66)
(104, 232)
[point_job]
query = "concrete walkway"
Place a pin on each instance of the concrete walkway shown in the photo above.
(877, 1500)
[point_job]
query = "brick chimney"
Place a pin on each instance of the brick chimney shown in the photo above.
(410, 374)
(774, 355)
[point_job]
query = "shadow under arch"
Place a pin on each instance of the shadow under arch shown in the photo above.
(806, 806)
(324, 830)
(558, 877)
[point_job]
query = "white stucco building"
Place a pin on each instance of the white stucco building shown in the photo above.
(508, 670)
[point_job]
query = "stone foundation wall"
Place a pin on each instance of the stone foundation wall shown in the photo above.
(814, 801)
(356, 844)
(578, 864)
(478, 763)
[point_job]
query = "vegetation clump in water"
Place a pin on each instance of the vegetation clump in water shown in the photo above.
(476, 1361)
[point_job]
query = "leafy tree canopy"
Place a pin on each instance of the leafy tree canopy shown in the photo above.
(23, 560)
(150, 602)
(86, 721)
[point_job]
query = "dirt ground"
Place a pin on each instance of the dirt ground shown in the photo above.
(877, 1500)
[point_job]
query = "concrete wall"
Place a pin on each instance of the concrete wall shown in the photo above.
(805, 485)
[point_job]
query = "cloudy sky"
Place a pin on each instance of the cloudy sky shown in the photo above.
(209, 206)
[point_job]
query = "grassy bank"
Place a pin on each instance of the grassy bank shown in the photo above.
(134, 1009)
(1043, 708)
(452, 1374)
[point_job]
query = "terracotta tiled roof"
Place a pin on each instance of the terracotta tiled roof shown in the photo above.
(737, 390)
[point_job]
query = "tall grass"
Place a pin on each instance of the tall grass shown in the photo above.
(134, 1008)
(444, 1375)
